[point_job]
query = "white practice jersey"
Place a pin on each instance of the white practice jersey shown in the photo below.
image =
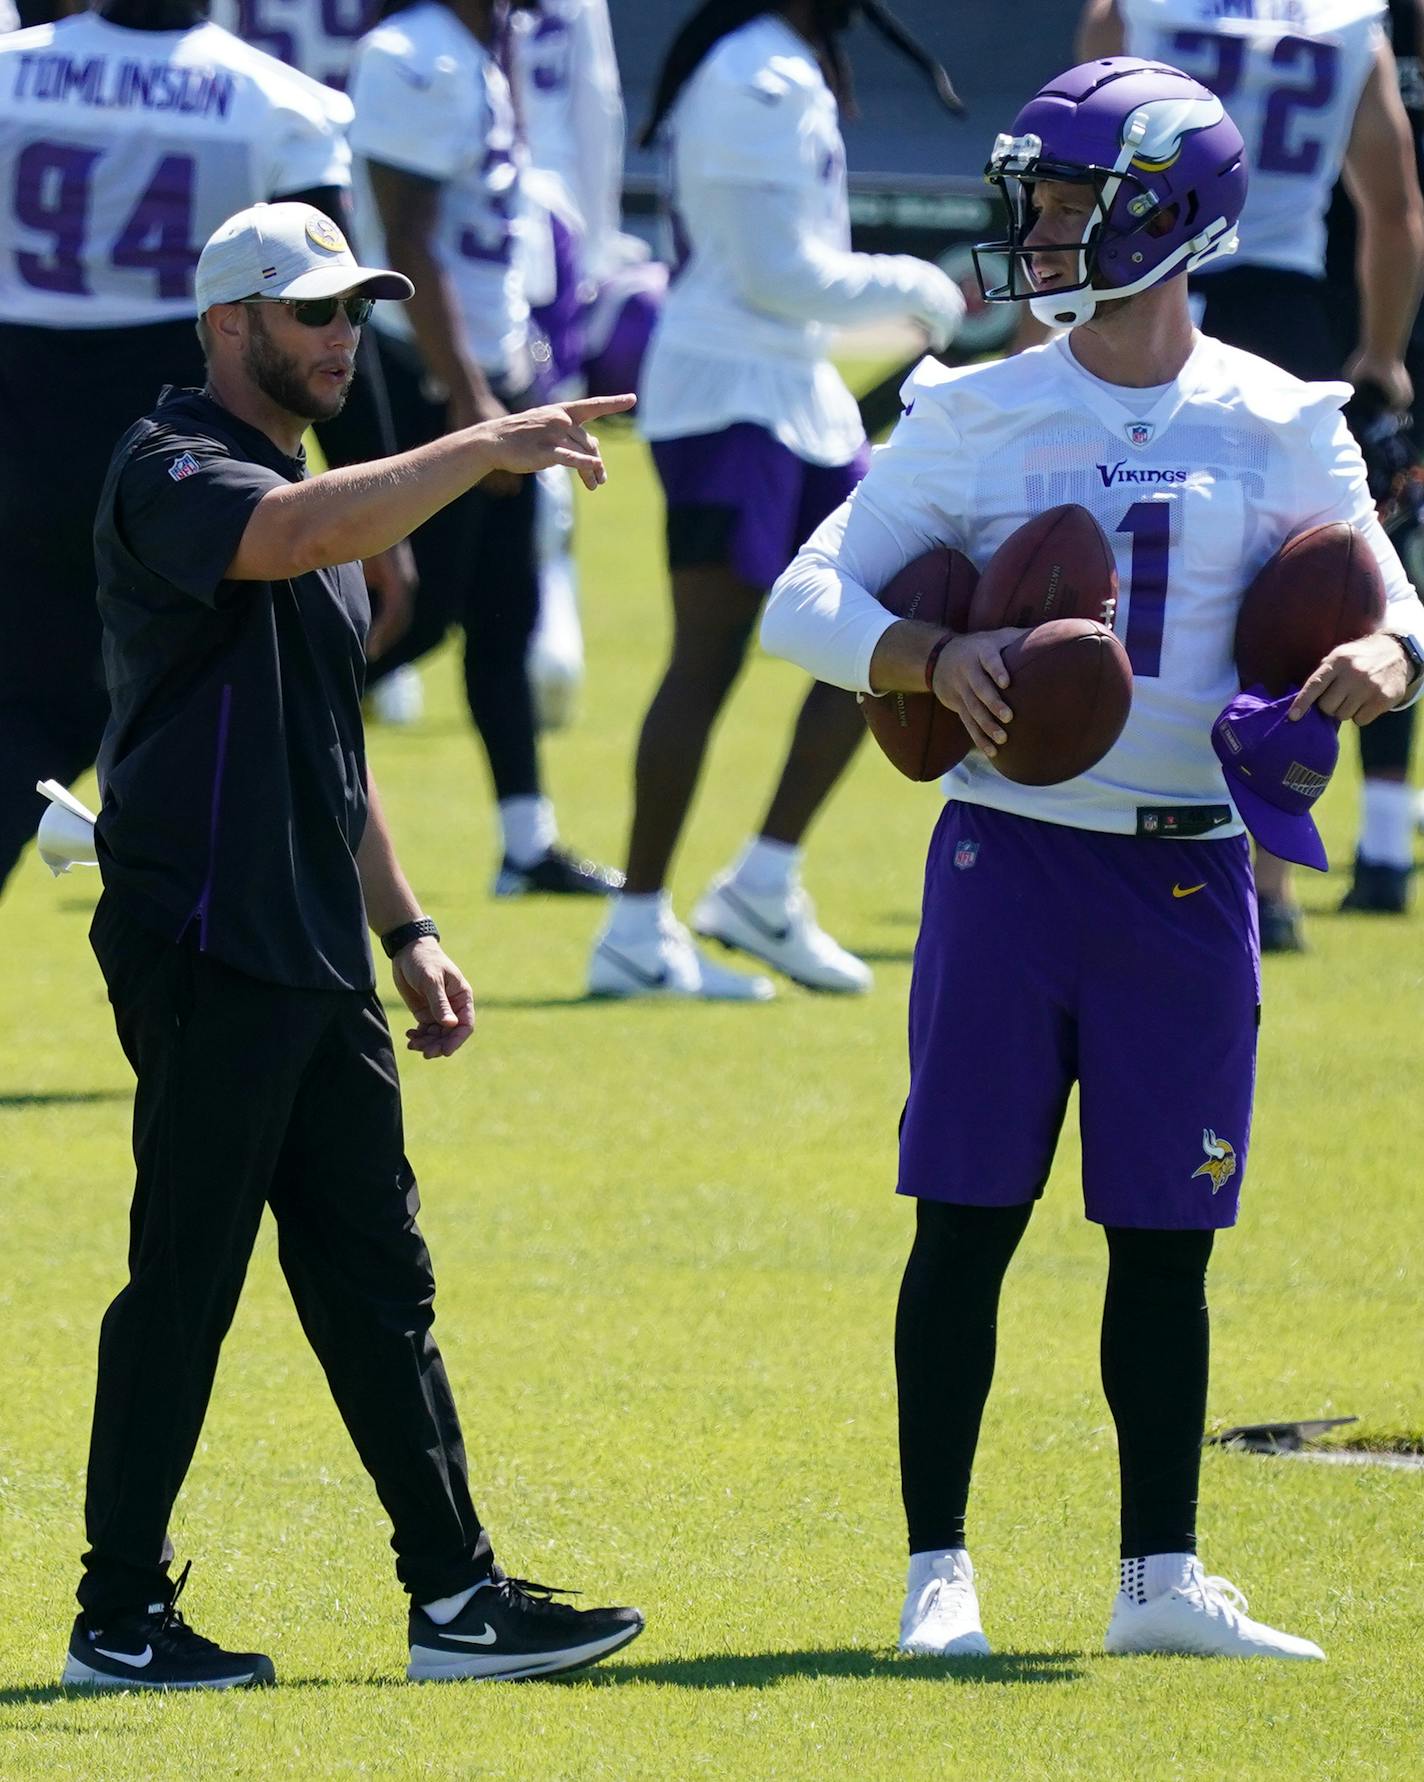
(9, 17)
(1196, 491)
(431, 100)
(317, 36)
(757, 114)
(121, 151)
(1290, 73)
(572, 105)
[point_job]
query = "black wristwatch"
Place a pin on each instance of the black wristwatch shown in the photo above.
(1413, 655)
(421, 929)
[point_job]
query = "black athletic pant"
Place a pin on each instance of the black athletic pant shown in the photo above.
(478, 569)
(67, 396)
(1155, 1352)
(251, 1094)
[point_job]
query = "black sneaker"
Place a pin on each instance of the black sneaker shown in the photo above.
(156, 1649)
(511, 1628)
(1381, 890)
(557, 874)
(1281, 929)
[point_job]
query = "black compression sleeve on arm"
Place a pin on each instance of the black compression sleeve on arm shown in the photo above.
(362, 431)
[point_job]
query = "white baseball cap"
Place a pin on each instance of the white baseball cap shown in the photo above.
(285, 250)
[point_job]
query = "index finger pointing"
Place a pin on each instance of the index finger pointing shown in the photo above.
(1311, 691)
(593, 408)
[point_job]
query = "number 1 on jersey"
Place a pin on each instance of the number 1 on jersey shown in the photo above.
(1150, 524)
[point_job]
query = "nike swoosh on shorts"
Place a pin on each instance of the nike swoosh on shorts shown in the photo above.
(1186, 890)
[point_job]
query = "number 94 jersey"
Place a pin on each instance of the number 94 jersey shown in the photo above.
(121, 151)
(1290, 73)
(1196, 484)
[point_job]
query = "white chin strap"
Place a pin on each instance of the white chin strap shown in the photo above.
(1070, 309)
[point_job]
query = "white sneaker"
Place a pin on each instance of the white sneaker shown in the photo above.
(1205, 1616)
(781, 930)
(666, 963)
(940, 1618)
(399, 697)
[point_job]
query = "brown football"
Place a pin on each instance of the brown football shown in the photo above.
(1059, 565)
(922, 737)
(1070, 690)
(1322, 588)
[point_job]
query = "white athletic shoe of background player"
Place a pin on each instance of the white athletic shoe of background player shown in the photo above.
(398, 698)
(660, 960)
(940, 1618)
(781, 930)
(556, 648)
(1201, 1616)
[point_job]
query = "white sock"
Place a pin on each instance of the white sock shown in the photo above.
(1387, 823)
(1142, 1579)
(767, 868)
(637, 916)
(940, 1562)
(529, 828)
(446, 1608)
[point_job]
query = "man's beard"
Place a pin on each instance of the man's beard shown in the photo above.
(277, 375)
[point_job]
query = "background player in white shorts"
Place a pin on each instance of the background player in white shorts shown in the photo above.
(1313, 88)
(126, 136)
(756, 438)
(1063, 939)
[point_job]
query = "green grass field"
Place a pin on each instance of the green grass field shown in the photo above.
(668, 1250)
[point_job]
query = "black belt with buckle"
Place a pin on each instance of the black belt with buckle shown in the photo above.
(1181, 822)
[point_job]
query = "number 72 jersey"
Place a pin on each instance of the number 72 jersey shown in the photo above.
(121, 151)
(1196, 485)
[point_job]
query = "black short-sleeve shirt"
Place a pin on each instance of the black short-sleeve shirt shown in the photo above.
(233, 768)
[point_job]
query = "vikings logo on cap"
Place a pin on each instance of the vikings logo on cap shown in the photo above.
(1220, 1163)
(324, 234)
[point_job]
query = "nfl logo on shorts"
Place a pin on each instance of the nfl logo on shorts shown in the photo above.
(965, 855)
(187, 465)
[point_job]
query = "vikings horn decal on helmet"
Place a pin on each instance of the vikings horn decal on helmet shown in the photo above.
(1167, 164)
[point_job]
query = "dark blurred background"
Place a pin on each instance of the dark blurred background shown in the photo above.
(996, 55)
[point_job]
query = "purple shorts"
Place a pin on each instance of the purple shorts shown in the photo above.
(741, 498)
(1050, 955)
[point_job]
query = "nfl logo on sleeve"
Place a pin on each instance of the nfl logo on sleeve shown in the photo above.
(187, 465)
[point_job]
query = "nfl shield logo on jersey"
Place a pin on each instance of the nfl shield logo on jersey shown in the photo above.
(965, 855)
(1139, 433)
(187, 465)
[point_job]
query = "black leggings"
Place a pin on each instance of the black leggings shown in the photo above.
(478, 569)
(1155, 1347)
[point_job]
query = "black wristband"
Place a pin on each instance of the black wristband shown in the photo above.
(932, 660)
(421, 929)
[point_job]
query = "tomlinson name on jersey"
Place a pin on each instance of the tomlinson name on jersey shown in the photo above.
(154, 86)
(1119, 473)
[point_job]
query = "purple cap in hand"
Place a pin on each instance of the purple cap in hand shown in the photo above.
(1275, 770)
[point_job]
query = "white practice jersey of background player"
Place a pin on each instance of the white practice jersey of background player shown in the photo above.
(572, 106)
(761, 225)
(104, 221)
(1290, 73)
(317, 36)
(1196, 485)
(431, 100)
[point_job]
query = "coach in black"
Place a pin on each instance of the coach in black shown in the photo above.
(244, 852)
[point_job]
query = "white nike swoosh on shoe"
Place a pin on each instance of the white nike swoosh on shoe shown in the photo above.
(487, 1638)
(137, 1659)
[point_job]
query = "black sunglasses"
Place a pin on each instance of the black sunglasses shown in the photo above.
(318, 312)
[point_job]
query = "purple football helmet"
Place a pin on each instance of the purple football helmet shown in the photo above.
(1168, 166)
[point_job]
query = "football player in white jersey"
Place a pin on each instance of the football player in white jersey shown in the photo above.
(439, 192)
(756, 439)
(1100, 931)
(1313, 88)
(317, 36)
(126, 136)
